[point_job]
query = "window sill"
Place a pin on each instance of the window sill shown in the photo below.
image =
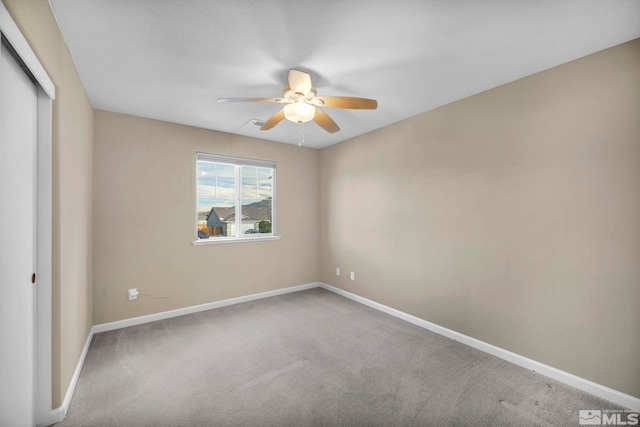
(220, 240)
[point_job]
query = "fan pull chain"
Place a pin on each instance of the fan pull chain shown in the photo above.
(300, 134)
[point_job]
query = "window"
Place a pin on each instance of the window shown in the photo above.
(235, 199)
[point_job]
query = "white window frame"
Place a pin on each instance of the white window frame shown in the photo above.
(238, 162)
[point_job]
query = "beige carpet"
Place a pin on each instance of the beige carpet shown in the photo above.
(310, 358)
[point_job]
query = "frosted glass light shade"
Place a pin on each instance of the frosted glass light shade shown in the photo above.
(299, 112)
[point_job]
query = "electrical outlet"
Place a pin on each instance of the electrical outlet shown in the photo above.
(133, 294)
(337, 271)
(353, 276)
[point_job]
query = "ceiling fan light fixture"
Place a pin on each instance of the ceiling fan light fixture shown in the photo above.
(301, 104)
(299, 112)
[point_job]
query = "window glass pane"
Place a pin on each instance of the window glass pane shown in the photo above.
(216, 199)
(221, 183)
(257, 197)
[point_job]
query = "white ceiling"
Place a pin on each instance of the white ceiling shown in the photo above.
(171, 60)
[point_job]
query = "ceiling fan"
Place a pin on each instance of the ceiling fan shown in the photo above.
(302, 103)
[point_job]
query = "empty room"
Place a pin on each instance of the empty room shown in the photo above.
(338, 213)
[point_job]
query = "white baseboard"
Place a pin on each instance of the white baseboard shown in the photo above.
(60, 412)
(197, 308)
(599, 390)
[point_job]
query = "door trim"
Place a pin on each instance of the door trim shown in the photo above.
(21, 46)
(44, 303)
(44, 413)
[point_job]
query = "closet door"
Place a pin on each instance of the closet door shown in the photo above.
(18, 138)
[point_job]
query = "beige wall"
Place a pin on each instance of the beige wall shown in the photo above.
(512, 216)
(145, 219)
(72, 190)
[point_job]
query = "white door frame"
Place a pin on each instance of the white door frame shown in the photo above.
(44, 413)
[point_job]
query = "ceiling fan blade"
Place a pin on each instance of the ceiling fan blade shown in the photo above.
(348, 102)
(250, 99)
(325, 122)
(273, 120)
(299, 82)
